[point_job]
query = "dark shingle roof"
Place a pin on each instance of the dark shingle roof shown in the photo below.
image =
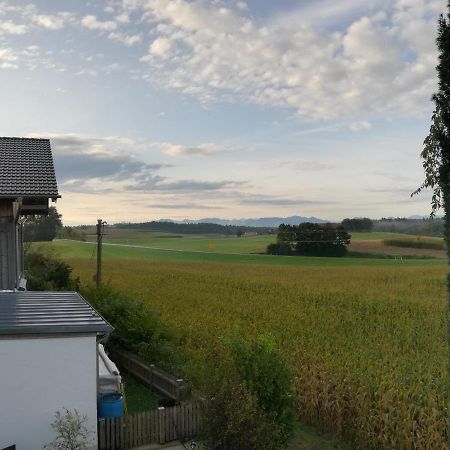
(26, 168)
(48, 312)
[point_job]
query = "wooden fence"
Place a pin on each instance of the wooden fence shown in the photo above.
(150, 375)
(159, 426)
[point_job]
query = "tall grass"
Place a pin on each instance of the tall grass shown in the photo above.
(366, 345)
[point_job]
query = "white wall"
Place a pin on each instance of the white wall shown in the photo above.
(39, 376)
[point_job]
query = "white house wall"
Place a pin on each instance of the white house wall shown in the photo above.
(39, 376)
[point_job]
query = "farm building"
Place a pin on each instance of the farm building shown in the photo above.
(48, 340)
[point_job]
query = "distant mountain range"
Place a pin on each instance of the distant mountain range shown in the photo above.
(258, 222)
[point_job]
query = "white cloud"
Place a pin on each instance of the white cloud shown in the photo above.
(205, 149)
(126, 39)
(160, 46)
(51, 21)
(92, 23)
(7, 54)
(8, 27)
(123, 18)
(382, 63)
(8, 65)
(360, 126)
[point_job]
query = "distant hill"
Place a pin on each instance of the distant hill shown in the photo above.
(267, 222)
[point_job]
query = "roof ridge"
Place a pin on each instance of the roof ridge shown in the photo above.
(25, 138)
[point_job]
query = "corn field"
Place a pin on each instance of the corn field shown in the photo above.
(366, 344)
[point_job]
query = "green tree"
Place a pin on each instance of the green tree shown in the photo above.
(311, 239)
(40, 228)
(436, 150)
(361, 224)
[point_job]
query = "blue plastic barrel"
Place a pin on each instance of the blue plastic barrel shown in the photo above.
(110, 404)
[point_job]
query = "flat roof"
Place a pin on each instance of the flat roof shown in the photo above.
(48, 312)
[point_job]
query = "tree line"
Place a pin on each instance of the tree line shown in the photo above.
(194, 228)
(311, 239)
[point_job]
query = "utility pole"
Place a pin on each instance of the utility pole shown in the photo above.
(100, 226)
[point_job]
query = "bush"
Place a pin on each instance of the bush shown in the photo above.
(136, 327)
(249, 402)
(265, 374)
(71, 431)
(233, 420)
(46, 272)
(280, 248)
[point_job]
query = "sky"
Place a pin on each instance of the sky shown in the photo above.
(178, 109)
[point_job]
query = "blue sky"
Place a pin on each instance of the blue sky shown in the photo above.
(219, 108)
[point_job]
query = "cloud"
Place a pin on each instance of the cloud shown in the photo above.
(182, 150)
(8, 27)
(360, 126)
(8, 58)
(160, 46)
(126, 39)
(376, 65)
(182, 185)
(88, 164)
(51, 21)
(276, 201)
(184, 206)
(92, 23)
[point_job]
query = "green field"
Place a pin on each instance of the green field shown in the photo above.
(138, 250)
(364, 338)
(210, 244)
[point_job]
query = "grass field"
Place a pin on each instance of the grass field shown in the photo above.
(365, 243)
(365, 338)
(115, 250)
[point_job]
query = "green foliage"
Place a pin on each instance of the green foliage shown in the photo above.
(42, 228)
(71, 431)
(233, 420)
(248, 401)
(280, 248)
(423, 227)
(266, 376)
(192, 228)
(70, 233)
(362, 224)
(46, 272)
(311, 239)
(136, 327)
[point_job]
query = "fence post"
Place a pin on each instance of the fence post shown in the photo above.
(101, 434)
(161, 425)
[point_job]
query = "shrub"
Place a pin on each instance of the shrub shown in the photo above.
(249, 403)
(233, 420)
(136, 327)
(267, 377)
(71, 431)
(46, 272)
(279, 248)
